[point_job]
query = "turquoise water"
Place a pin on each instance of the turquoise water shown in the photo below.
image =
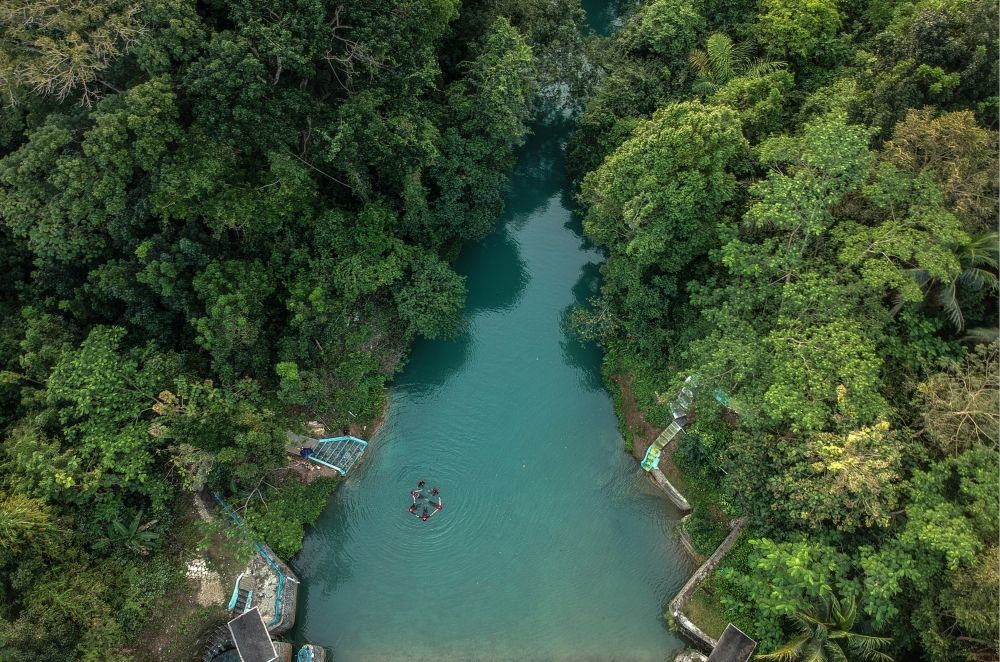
(552, 544)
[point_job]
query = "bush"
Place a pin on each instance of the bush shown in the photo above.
(706, 534)
(279, 521)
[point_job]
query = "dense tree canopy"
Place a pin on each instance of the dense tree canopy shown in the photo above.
(798, 202)
(217, 220)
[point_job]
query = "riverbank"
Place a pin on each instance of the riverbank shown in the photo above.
(696, 609)
(513, 422)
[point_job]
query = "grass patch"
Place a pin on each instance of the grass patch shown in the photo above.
(706, 533)
(707, 613)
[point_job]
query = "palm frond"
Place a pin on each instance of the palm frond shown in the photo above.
(815, 653)
(812, 618)
(983, 250)
(947, 299)
(723, 57)
(982, 334)
(878, 656)
(847, 617)
(741, 55)
(976, 278)
(704, 87)
(698, 60)
(788, 652)
(835, 652)
(867, 643)
(760, 68)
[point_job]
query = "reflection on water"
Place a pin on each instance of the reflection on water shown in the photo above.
(500, 275)
(583, 355)
(552, 544)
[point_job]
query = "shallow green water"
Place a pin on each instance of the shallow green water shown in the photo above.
(552, 544)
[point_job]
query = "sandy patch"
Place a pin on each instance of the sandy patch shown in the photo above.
(209, 591)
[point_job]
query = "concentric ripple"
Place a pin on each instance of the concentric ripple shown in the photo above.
(552, 544)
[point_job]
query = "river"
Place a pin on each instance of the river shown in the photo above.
(552, 544)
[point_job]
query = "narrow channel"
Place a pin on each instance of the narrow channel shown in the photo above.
(552, 544)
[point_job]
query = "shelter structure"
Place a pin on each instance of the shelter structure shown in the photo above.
(252, 640)
(734, 646)
(338, 453)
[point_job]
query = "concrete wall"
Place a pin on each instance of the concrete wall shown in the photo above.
(676, 610)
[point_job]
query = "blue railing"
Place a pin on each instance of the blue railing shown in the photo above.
(338, 453)
(267, 557)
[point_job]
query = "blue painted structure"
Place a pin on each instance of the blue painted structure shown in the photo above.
(267, 557)
(339, 453)
(652, 459)
(236, 593)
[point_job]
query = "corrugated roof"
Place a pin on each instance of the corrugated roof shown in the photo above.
(252, 640)
(733, 646)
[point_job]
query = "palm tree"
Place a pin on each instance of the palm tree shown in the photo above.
(722, 60)
(134, 536)
(827, 635)
(978, 260)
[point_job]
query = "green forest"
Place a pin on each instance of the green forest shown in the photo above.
(798, 202)
(222, 218)
(219, 219)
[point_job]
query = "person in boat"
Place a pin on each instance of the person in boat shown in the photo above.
(413, 508)
(420, 484)
(424, 516)
(437, 506)
(435, 491)
(415, 494)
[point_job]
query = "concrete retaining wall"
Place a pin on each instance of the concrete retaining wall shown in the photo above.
(289, 595)
(672, 493)
(676, 610)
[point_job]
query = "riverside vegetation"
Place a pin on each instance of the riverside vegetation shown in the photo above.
(798, 202)
(218, 219)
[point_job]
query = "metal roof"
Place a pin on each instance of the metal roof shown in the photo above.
(252, 640)
(734, 646)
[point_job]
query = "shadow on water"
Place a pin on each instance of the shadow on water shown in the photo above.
(432, 363)
(584, 356)
(495, 273)
(492, 283)
(575, 221)
(327, 535)
(538, 178)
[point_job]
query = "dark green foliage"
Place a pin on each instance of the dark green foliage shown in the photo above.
(219, 219)
(706, 533)
(823, 275)
(278, 519)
